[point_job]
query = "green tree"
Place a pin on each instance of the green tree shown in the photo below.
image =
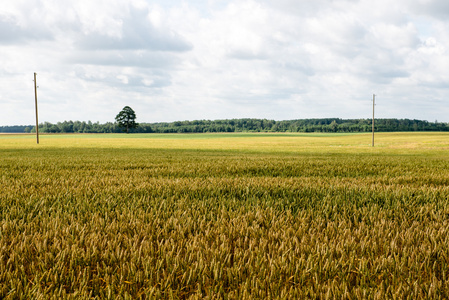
(126, 119)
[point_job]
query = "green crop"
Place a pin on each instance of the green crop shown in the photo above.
(223, 216)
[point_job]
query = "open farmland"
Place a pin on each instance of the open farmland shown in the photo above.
(238, 216)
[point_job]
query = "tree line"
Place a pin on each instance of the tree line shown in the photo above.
(238, 125)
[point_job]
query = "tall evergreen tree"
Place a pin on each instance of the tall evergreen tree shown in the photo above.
(127, 119)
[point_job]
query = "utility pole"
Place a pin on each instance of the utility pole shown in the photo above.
(374, 103)
(35, 102)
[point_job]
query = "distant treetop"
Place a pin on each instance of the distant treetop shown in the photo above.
(237, 125)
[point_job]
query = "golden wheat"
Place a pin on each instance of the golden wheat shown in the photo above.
(305, 219)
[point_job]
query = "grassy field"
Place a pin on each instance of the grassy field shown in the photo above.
(224, 216)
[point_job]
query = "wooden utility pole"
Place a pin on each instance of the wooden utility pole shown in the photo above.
(374, 103)
(35, 102)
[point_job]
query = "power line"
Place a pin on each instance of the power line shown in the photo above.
(374, 103)
(35, 101)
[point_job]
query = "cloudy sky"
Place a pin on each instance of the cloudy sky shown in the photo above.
(212, 59)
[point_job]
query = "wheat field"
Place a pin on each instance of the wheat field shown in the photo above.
(224, 216)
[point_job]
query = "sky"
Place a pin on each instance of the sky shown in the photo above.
(175, 60)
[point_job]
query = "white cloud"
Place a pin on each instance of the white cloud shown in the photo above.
(135, 31)
(178, 60)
